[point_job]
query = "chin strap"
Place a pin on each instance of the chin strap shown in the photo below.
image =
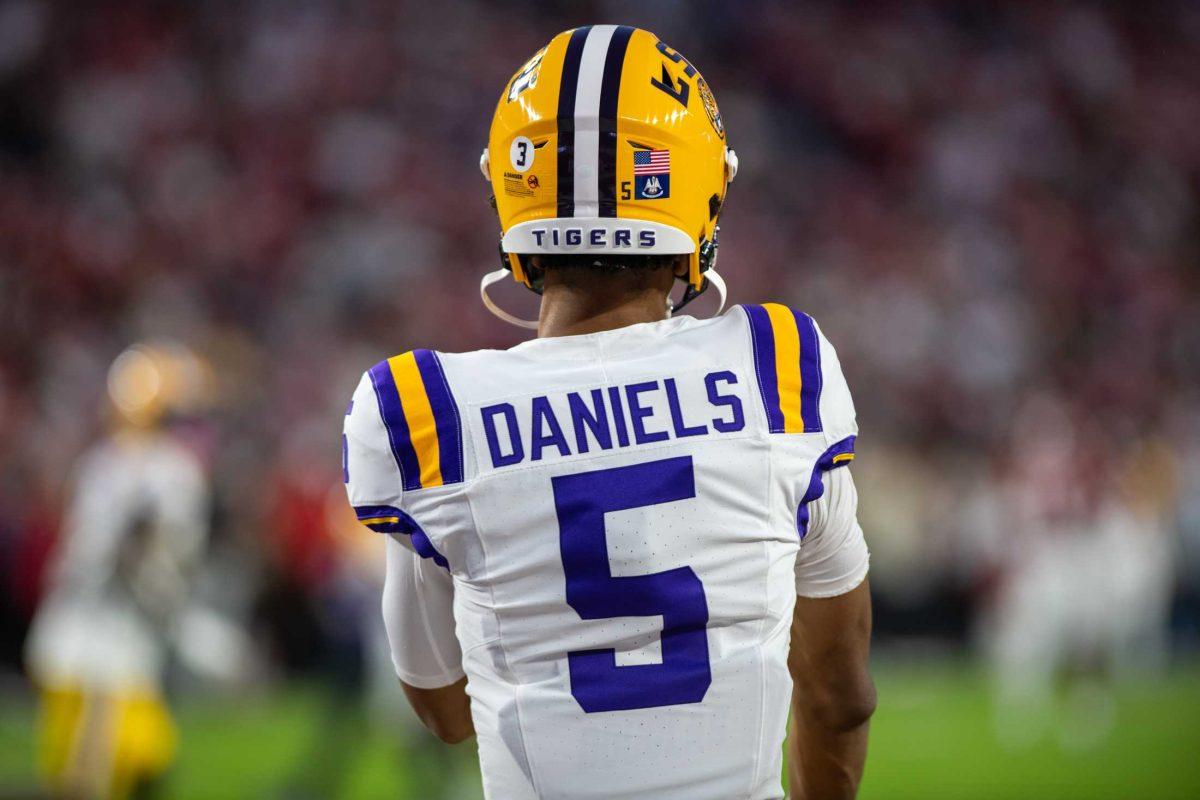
(503, 274)
(496, 276)
(718, 282)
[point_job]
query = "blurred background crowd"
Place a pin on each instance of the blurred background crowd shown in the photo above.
(993, 210)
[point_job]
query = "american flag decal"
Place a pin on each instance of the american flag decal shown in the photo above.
(651, 162)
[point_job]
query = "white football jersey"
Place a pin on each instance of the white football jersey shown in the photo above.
(619, 524)
(137, 521)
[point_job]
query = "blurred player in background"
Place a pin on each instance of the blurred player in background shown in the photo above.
(603, 542)
(1084, 534)
(137, 521)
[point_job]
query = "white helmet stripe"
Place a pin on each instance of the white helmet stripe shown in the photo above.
(587, 120)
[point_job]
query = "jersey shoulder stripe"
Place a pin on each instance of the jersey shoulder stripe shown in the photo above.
(421, 417)
(787, 362)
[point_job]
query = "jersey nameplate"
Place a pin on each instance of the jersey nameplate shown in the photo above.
(559, 425)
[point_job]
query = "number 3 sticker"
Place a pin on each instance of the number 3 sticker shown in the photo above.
(520, 153)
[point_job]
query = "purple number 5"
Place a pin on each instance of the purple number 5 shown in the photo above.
(597, 683)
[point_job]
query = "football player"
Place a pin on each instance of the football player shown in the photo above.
(134, 529)
(616, 551)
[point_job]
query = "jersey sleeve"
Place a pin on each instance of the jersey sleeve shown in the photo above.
(418, 614)
(371, 469)
(418, 594)
(807, 401)
(833, 555)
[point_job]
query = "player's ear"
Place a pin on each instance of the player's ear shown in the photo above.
(681, 267)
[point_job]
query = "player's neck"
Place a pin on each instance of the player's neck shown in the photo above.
(569, 311)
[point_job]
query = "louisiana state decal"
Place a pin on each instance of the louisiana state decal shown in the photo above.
(787, 362)
(421, 418)
(651, 174)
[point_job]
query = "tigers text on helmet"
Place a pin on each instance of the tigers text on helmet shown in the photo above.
(607, 141)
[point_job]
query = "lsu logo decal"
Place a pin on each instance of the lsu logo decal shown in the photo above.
(651, 174)
(527, 77)
(682, 90)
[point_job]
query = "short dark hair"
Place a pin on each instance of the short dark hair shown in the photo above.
(601, 270)
(606, 263)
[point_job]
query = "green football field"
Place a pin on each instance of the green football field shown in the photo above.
(932, 738)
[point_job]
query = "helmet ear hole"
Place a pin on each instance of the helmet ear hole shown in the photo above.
(484, 164)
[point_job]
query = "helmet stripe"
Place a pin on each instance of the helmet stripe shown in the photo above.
(587, 114)
(566, 121)
(606, 174)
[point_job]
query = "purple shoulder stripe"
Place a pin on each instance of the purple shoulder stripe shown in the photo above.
(445, 415)
(394, 421)
(763, 340)
(810, 372)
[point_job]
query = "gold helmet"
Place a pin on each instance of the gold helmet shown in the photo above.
(607, 141)
(152, 380)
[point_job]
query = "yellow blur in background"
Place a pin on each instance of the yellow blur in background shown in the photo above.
(94, 744)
